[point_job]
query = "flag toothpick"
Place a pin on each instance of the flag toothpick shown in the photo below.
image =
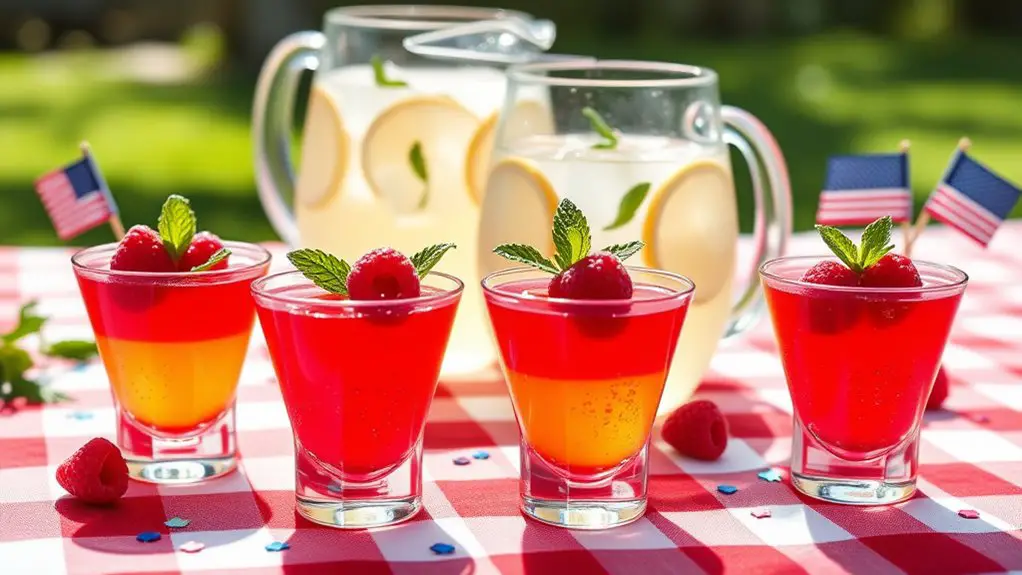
(77, 199)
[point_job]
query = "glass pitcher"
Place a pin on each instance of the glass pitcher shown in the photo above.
(393, 142)
(641, 148)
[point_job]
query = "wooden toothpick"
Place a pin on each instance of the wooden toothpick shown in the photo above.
(116, 226)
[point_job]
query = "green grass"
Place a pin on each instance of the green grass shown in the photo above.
(820, 96)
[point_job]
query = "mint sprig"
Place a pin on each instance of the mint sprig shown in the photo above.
(572, 241)
(325, 270)
(630, 203)
(601, 127)
(217, 257)
(876, 242)
(176, 225)
(427, 258)
(380, 74)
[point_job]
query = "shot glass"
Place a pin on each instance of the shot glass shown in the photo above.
(585, 378)
(357, 379)
(860, 364)
(173, 345)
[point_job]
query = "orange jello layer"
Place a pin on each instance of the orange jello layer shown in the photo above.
(587, 425)
(174, 386)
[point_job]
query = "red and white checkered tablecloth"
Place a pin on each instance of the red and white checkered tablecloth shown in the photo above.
(971, 459)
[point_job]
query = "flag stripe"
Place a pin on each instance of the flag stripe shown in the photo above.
(946, 215)
(974, 208)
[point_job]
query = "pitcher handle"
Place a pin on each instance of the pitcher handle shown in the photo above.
(272, 114)
(772, 228)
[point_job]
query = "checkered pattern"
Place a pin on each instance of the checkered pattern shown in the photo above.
(971, 459)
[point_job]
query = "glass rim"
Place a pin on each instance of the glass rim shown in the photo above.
(962, 278)
(262, 258)
(689, 76)
(259, 290)
(415, 17)
(490, 288)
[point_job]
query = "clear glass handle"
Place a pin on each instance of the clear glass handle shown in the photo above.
(772, 228)
(272, 114)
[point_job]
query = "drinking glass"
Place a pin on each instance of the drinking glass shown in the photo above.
(173, 345)
(585, 378)
(391, 141)
(641, 149)
(860, 364)
(357, 378)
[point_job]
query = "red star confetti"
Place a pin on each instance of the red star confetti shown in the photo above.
(968, 514)
(192, 547)
(760, 513)
(462, 461)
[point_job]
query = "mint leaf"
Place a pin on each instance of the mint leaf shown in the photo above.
(571, 234)
(842, 247)
(217, 257)
(14, 362)
(323, 269)
(380, 74)
(31, 391)
(629, 205)
(876, 242)
(525, 254)
(602, 128)
(625, 251)
(176, 225)
(29, 322)
(78, 350)
(418, 163)
(427, 258)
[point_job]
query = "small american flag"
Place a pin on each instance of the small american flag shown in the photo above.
(972, 199)
(76, 197)
(860, 189)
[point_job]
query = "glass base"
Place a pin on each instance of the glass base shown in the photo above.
(358, 514)
(204, 454)
(583, 514)
(855, 479)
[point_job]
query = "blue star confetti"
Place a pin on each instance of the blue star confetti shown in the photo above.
(771, 475)
(727, 489)
(80, 415)
(480, 455)
(176, 522)
(277, 546)
(442, 548)
(148, 536)
(462, 461)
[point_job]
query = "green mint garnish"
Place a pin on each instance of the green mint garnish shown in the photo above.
(324, 270)
(217, 257)
(75, 349)
(381, 75)
(629, 205)
(572, 241)
(602, 128)
(418, 163)
(876, 242)
(29, 322)
(176, 225)
(427, 258)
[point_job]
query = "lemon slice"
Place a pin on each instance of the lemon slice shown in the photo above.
(438, 128)
(325, 148)
(526, 118)
(692, 226)
(519, 208)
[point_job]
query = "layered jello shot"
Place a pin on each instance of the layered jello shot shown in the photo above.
(861, 334)
(357, 350)
(585, 344)
(172, 316)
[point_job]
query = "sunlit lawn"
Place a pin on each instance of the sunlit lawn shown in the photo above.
(820, 96)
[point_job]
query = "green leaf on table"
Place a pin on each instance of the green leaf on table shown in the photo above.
(625, 251)
(31, 391)
(323, 269)
(14, 362)
(630, 203)
(217, 257)
(876, 242)
(601, 127)
(78, 350)
(380, 74)
(427, 258)
(571, 235)
(176, 225)
(524, 254)
(29, 322)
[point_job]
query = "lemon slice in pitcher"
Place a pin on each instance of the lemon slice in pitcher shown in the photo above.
(526, 118)
(692, 226)
(414, 144)
(325, 150)
(519, 208)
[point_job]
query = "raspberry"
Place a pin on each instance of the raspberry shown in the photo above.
(96, 473)
(598, 276)
(697, 429)
(891, 271)
(831, 273)
(940, 390)
(141, 250)
(383, 273)
(204, 245)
